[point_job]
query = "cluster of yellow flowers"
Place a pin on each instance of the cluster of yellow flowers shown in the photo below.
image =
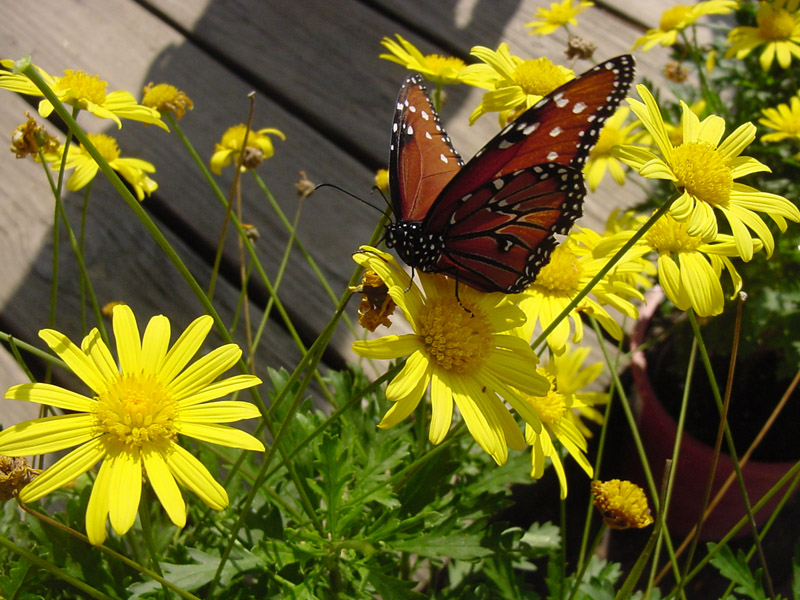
(471, 349)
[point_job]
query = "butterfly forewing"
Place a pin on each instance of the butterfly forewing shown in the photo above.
(561, 128)
(422, 159)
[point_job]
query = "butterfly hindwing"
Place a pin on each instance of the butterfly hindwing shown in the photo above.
(422, 160)
(502, 233)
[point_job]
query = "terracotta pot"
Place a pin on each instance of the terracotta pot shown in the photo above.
(658, 430)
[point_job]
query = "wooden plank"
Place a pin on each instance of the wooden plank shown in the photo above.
(121, 260)
(149, 50)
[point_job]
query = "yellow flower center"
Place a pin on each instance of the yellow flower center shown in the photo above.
(136, 410)
(668, 236)
(539, 76)
(443, 65)
(675, 17)
(106, 146)
(562, 274)
(552, 407)
(456, 337)
(83, 86)
(703, 172)
(776, 24)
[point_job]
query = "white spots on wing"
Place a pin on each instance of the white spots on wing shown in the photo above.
(552, 156)
(507, 128)
(443, 158)
(428, 135)
(410, 130)
(505, 143)
(412, 108)
(555, 131)
(531, 128)
(424, 114)
(498, 183)
(579, 108)
(562, 102)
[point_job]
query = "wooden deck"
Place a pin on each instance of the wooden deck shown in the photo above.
(315, 68)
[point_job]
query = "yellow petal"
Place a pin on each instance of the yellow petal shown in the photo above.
(164, 486)
(64, 471)
(222, 435)
(192, 475)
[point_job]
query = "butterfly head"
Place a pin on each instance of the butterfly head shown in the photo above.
(418, 248)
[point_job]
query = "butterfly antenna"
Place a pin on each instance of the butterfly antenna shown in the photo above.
(352, 195)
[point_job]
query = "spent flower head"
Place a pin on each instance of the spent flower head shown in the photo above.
(622, 504)
(560, 14)
(133, 170)
(83, 91)
(132, 418)
(435, 68)
(15, 474)
(462, 347)
(778, 31)
(230, 147)
(514, 84)
(376, 304)
(704, 169)
(167, 98)
(679, 17)
(30, 138)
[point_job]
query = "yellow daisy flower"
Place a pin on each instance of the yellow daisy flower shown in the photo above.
(167, 98)
(784, 119)
(622, 504)
(778, 30)
(83, 91)
(434, 67)
(570, 270)
(559, 422)
(679, 17)
(259, 147)
(133, 419)
(689, 269)
(560, 14)
(601, 158)
(514, 84)
(133, 170)
(703, 169)
(464, 349)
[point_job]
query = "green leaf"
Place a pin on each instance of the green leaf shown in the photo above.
(459, 547)
(193, 576)
(391, 588)
(738, 571)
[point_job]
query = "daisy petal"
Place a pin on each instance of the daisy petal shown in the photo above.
(222, 435)
(164, 486)
(192, 475)
(64, 471)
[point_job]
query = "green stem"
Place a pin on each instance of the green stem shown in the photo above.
(603, 272)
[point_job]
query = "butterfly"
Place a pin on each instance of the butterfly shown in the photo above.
(491, 223)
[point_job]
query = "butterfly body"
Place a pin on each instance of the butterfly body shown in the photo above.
(491, 223)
